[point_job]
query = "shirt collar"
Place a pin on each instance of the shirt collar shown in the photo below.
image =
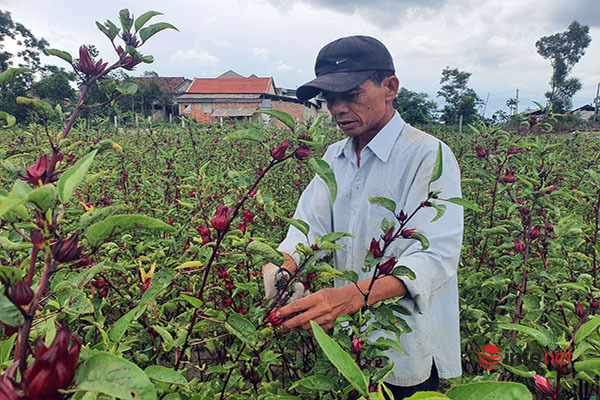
(381, 145)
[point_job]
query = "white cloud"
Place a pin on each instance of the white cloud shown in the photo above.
(283, 67)
(261, 53)
(193, 57)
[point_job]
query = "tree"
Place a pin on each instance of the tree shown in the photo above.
(55, 86)
(31, 46)
(564, 50)
(414, 107)
(460, 99)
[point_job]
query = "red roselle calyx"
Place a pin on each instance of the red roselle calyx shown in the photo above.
(402, 216)
(544, 385)
(303, 153)
(375, 249)
(509, 177)
(481, 153)
(86, 64)
(248, 216)
(203, 230)
(221, 218)
(406, 233)
(7, 390)
(20, 293)
(42, 170)
(357, 344)
(274, 319)
(67, 250)
(278, 152)
(388, 266)
(519, 246)
(54, 368)
(580, 310)
(37, 239)
(389, 235)
(535, 232)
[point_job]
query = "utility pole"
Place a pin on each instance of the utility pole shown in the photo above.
(485, 105)
(596, 103)
(517, 103)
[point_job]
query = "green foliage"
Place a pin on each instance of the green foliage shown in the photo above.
(414, 107)
(459, 98)
(564, 50)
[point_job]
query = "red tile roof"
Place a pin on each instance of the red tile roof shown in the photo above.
(230, 85)
(168, 85)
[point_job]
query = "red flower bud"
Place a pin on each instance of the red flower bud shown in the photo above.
(303, 153)
(86, 64)
(20, 293)
(227, 302)
(68, 250)
(99, 283)
(222, 273)
(247, 216)
(278, 152)
(580, 310)
(544, 385)
(594, 304)
(53, 369)
(274, 319)
(532, 121)
(38, 171)
(229, 286)
(387, 267)
(406, 233)
(509, 177)
(357, 344)
(389, 235)
(481, 153)
(512, 150)
(203, 230)
(375, 249)
(519, 247)
(402, 216)
(535, 232)
(221, 218)
(146, 285)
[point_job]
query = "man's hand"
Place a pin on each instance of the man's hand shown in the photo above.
(275, 280)
(323, 307)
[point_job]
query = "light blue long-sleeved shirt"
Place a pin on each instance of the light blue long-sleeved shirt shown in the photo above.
(397, 163)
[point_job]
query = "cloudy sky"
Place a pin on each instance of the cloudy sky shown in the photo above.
(492, 39)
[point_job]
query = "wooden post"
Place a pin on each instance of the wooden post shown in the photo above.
(460, 123)
(137, 121)
(517, 103)
(115, 117)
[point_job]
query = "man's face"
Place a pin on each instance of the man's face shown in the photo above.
(364, 110)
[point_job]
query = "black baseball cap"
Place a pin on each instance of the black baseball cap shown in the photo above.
(346, 63)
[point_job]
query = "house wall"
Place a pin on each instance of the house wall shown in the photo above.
(197, 110)
(298, 111)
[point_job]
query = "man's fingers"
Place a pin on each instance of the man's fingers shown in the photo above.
(297, 306)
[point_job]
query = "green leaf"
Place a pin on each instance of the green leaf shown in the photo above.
(162, 374)
(114, 376)
(109, 29)
(264, 250)
(61, 54)
(519, 371)
(421, 238)
(17, 196)
(592, 364)
(437, 168)
(316, 124)
(194, 301)
(9, 314)
(126, 19)
(145, 17)
(595, 176)
(465, 203)
(43, 109)
(587, 329)
(387, 343)
(127, 88)
(384, 202)
(151, 30)
(341, 360)
(72, 177)
(11, 73)
(168, 342)
(315, 382)
(119, 327)
(402, 270)
(10, 120)
(427, 396)
(284, 117)
(489, 391)
(10, 275)
(440, 208)
(44, 196)
(242, 328)
(335, 236)
(6, 347)
(299, 224)
(246, 134)
(534, 333)
(321, 168)
(111, 226)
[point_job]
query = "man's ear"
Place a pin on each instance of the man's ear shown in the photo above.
(391, 84)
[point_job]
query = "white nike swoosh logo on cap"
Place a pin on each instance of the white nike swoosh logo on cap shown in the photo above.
(340, 61)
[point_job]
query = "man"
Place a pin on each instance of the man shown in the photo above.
(382, 156)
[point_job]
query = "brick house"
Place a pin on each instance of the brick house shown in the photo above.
(172, 87)
(232, 96)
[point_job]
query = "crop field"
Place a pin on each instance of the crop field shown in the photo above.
(131, 256)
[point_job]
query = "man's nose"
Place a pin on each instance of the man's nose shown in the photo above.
(338, 107)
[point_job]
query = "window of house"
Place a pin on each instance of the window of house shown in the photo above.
(207, 108)
(265, 104)
(187, 108)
